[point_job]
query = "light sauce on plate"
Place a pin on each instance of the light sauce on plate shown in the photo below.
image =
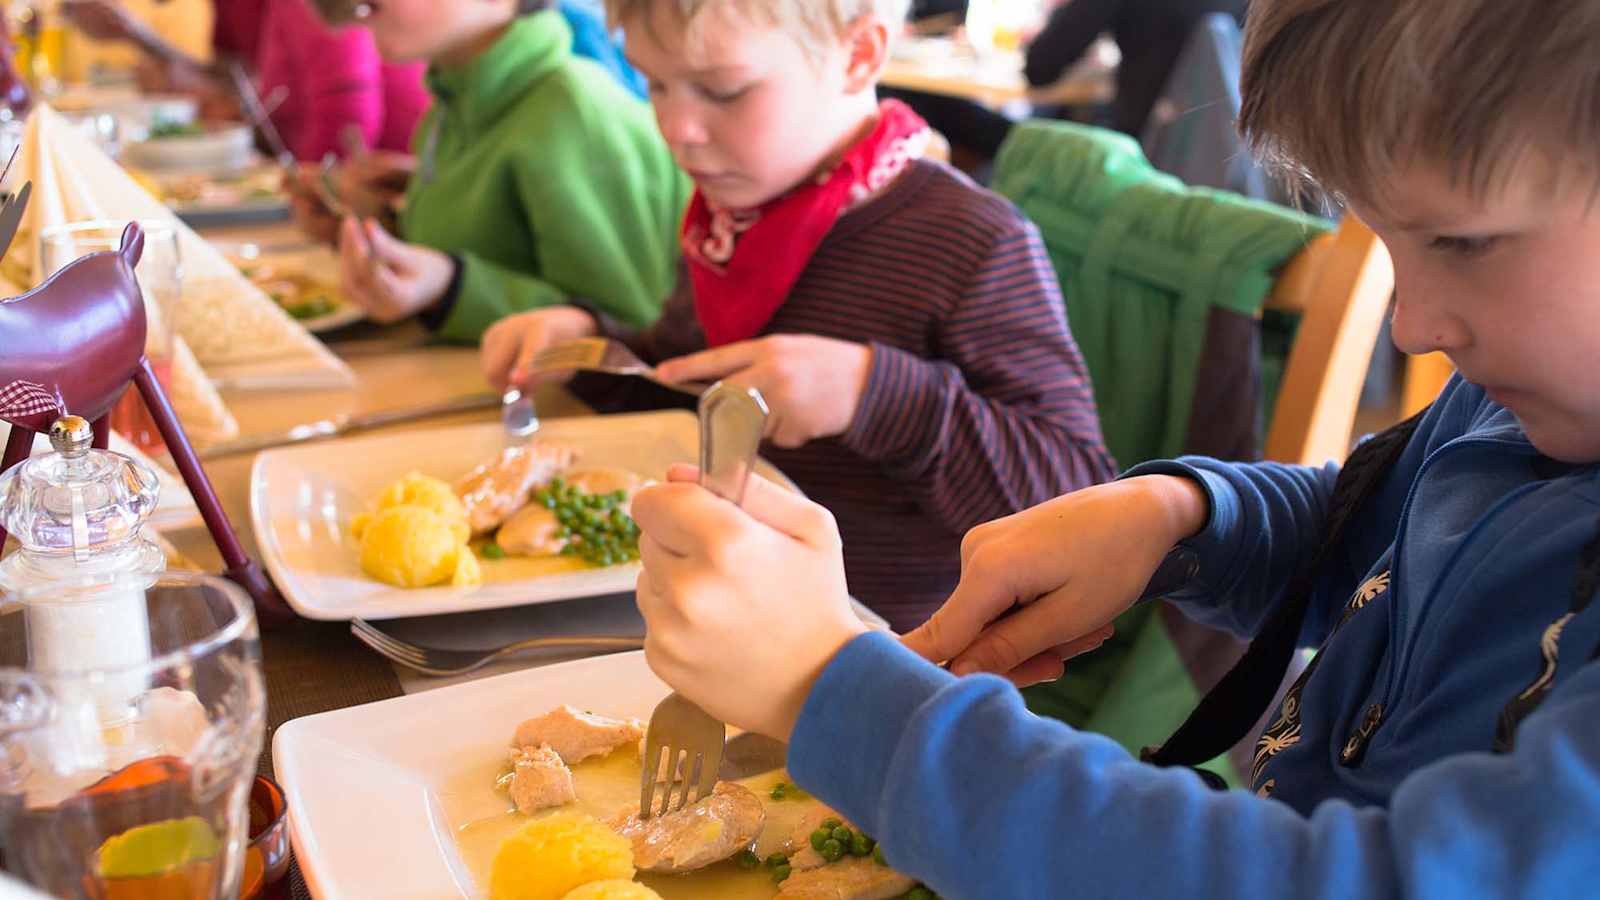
(522, 568)
(482, 817)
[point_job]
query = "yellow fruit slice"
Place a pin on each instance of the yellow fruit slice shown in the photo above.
(158, 847)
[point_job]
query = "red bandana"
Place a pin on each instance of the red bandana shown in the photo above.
(744, 262)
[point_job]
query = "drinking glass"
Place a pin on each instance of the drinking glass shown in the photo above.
(160, 276)
(131, 717)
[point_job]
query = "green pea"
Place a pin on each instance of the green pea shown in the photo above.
(548, 501)
(831, 824)
(859, 845)
(776, 860)
(843, 835)
(877, 855)
(921, 893)
(781, 873)
(747, 859)
(818, 838)
(832, 850)
(492, 550)
(777, 791)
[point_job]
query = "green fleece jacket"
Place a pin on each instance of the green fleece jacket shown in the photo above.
(547, 181)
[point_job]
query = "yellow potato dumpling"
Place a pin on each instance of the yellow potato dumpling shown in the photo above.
(417, 489)
(548, 858)
(413, 546)
(613, 890)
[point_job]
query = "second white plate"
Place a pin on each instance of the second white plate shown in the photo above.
(302, 500)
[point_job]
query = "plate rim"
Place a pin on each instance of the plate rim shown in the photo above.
(288, 751)
(271, 550)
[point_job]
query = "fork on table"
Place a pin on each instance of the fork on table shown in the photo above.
(441, 661)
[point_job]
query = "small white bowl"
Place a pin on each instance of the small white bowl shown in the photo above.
(220, 150)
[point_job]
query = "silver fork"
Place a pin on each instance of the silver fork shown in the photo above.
(440, 661)
(328, 193)
(517, 413)
(600, 354)
(732, 420)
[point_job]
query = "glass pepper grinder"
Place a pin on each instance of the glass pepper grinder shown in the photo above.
(77, 514)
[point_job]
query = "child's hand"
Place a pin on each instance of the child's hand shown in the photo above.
(396, 279)
(812, 385)
(371, 183)
(744, 608)
(1072, 565)
(509, 346)
(313, 219)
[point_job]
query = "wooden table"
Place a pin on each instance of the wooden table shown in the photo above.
(940, 66)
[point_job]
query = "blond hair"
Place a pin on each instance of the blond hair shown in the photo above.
(814, 23)
(1343, 94)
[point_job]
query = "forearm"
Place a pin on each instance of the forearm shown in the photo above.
(971, 794)
(1263, 521)
(486, 293)
(1068, 33)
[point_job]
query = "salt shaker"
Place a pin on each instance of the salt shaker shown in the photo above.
(78, 514)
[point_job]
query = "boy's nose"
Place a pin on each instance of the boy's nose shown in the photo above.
(1422, 322)
(679, 126)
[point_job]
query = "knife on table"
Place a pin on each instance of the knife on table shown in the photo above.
(348, 424)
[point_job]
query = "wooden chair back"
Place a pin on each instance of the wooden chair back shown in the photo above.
(1340, 286)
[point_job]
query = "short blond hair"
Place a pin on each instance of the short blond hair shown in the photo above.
(812, 22)
(1342, 94)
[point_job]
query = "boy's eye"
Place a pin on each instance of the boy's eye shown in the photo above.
(724, 96)
(1463, 246)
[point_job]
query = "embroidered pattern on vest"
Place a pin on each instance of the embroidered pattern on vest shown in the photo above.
(1284, 732)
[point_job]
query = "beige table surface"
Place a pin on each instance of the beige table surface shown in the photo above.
(938, 66)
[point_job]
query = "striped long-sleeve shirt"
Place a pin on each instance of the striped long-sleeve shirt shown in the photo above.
(977, 405)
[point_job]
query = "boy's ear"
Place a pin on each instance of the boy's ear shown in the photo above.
(867, 45)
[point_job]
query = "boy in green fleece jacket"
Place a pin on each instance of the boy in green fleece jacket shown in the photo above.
(538, 179)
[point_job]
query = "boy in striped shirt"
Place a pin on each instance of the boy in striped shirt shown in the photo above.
(904, 325)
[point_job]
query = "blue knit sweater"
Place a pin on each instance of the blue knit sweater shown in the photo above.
(1450, 596)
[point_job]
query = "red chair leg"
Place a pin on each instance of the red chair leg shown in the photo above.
(243, 570)
(18, 446)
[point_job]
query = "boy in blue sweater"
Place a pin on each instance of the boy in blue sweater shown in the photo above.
(1444, 742)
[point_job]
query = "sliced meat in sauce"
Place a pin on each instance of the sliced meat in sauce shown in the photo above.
(576, 735)
(540, 780)
(707, 831)
(496, 489)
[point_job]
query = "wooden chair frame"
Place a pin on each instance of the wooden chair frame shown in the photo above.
(1340, 286)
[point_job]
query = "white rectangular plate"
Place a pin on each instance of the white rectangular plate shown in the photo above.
(302, 500)
(364, 784)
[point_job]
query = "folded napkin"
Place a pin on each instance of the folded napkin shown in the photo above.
(224, 319)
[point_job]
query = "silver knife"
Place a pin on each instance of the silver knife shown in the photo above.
(250, 103)
(348, 424)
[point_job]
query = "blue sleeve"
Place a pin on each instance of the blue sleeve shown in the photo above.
(977, 798)
(1266, 518)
